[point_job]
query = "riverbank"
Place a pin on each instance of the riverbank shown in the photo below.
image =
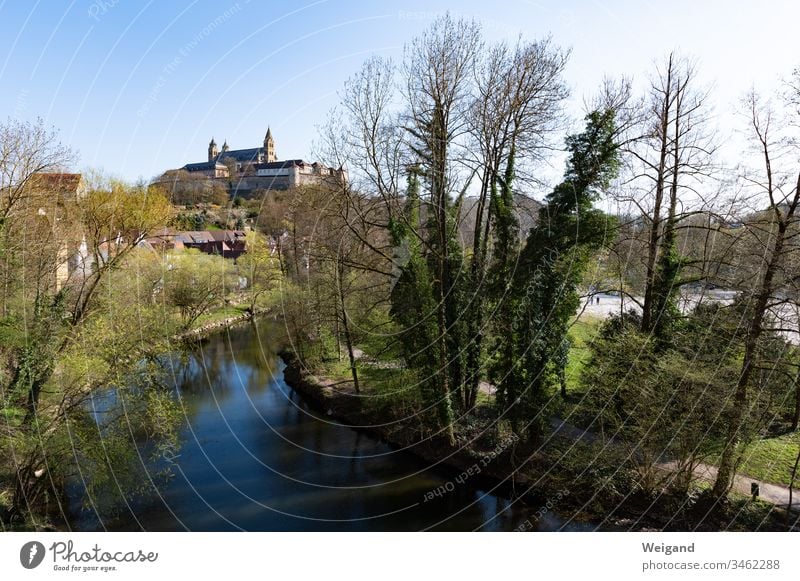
(254, 455)
(551, 479)
(490, 462)
(215, 325)
(339, 401)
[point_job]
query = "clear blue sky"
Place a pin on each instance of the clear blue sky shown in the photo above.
(137, 87)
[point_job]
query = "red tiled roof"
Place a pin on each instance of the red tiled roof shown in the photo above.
(57, 181)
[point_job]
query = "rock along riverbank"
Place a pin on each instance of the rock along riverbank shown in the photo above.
(215, 326)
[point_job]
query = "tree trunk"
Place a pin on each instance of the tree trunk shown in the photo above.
(347, 337)
(791, 485)
(439, 196)
(667, 272)
(655, 225)
(737, 417)
(796, 415)
(477, 273)
(338, 333)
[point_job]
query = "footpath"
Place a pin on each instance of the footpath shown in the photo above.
(769, 492)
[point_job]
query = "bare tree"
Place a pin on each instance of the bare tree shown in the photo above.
(670, 165)
(26, 149)
(775, 187)
(516, 110)
(438, 68)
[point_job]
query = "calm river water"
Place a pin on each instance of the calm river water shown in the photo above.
(254, 457)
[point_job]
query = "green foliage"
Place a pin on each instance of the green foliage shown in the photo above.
(199, 221)
(414, 311)
(414, 306)
(605, 479)
(543, 294)
(66, 345)
(456, 323)
(392, 393)
(665, 404)
(260, 267)
(195, 282)
(506, 225)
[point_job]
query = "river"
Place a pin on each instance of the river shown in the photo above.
(255, 457)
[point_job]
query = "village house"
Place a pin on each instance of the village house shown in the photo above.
(225, 243)
(54, 190)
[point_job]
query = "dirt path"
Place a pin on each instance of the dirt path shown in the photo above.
(773, 493)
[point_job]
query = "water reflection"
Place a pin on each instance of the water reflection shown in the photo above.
(254, 457)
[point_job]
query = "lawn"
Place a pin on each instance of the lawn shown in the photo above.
(219, 314)
(580, 334)
(771, 459)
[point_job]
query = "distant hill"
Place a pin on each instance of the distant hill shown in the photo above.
(526, 210)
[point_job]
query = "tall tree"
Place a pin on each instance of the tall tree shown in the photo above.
(551, 265)
(50, 374)
(776, 192)
(670, 162)
(515, 111)
(438, 72)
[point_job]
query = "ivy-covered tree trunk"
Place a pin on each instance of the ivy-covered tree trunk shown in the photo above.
(412, 300)
(543, 296)
(498, 274)
(663, 310)
(796, 414)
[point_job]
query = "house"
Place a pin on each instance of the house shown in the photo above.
(58, 186)
(53, 191)
(225, 243)
(162, 240)
(210, 169)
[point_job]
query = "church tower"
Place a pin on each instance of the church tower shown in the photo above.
(269, 146)
(225, 146)
(212, 150)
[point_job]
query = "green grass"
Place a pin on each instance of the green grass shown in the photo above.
(771, 459)
(338, 370)
(379, 347)
(219, 314)
(387, 391)
(390, 391)
(580, 334)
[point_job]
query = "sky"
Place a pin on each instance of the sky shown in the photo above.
(138, 87)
